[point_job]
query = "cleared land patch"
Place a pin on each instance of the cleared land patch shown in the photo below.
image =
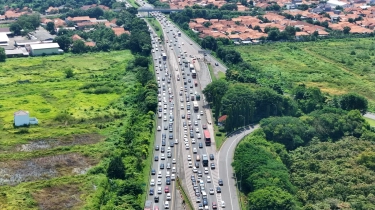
(335, 66)
(14, 172)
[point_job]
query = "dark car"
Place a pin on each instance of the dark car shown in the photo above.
(163, 143)
(168, 181)
(162, 149)
(212, 165)
(160, 110)
(162, 166)
(156, 199)
(153, 172)
(189, 80)
(191, 135)
(169, 155)
(211, 156)
(163, 136)
(204, 126)
(184, 123)
(157, 147)
(170, 136)
(165, 127)
(192, 177)
(205, 202)
(196, 165)
(221, 183)
(171, 143)
(200, 145)
(151, 191)
(183, 116)
(218, 189)
(156, 158)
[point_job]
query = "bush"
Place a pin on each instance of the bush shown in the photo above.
(103, 90)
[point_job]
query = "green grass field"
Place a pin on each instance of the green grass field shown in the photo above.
(335, 66)
(156, 25)
(68, 139)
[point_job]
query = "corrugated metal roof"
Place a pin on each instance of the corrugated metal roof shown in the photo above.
(4, 37)
(44, 46)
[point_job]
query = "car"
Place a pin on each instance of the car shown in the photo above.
(196, 123)
(173, 177)
(162, 157)
(159, 128)
(206, 170)
(162, 142)
(162, 166)
(173, 161)
(183, 116)
(195, 150)
(199, 136)
(166, 205)
(205, 202)
(201, 112)
(159, 181)
(151, 191)
(153, 172)
(222, 204)
(152, 182)
(204, 126)
(162, 149)
(156, 158)
(212, 165)
(165, 127)
(160, 175)
(157, 147)
(221, 183)
(189, 158)
(214, 205)
(200, 206)
(216, 64)
(196, 130)
(212, 157)
(198, 199)
(195, 170)
(218, 189)
(166, 189)
(169, 197)
(176, 141)
(199, 173)
(212, 191)
(156, 199)
(200, 145)
(193, 141)
(208, 179)
(196, 165)
(190, 164)
(187, 146)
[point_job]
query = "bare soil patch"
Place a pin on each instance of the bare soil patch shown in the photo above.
(59, 197)
(56, 142)
(14, 172)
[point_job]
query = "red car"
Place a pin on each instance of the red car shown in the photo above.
(166, 189)
(214, 205)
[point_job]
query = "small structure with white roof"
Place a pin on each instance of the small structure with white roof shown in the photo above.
(45, 49)
(4, 40)
(22, 118)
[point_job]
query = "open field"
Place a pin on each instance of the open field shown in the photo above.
(44, 166)
(335, 66)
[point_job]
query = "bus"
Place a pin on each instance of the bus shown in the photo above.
(207, 137)
(196, 106)
(204, 160)
(164, 56)
(194, 74)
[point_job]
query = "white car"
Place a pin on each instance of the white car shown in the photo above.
(159, 190)
(187, 146)
(165, 118)
(212, 191)
(168, 149)
(201, 112)
(159, 181)
(162, 157)
(173, 161)
(152, 182)
(196, 130)
(195, 150)
(190, 164)
(222, 204)
(208, 179)
(169, 197)
(198, 117)
(176, 141)
(195, 170)
(159, 128)
(206, 170)
(174, 169)
(160, 175)
(195, 123)
(193, 141)
(173, 177)
(189, 158)
(199, 136)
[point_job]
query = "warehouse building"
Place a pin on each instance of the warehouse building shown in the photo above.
(45, 49)
(4, 40)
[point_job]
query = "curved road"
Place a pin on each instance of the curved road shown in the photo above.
(226, 172)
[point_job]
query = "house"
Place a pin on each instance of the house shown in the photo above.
(22, 118)
(18, 52)
(51, 10)
(44, 49)
(76, 37)
(335, 3)
(4, 40)
(221, 120)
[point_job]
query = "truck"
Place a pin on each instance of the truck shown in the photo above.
(148, 205)
(204, 160)
(207, 138)
(196, 106)
(194, 74)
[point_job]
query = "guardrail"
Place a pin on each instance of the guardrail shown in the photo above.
(185, 198)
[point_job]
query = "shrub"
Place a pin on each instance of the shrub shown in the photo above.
(103, 90)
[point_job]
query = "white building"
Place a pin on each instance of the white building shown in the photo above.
(22, 118)
(335, 3)
(4, 40)
(45, 49)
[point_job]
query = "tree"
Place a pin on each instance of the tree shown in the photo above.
(79, 47)
(214, 93)
(15, 28)
(116, 168)
(64, 42)
(346, 30)
(3, 56)
(271, 198)
(352, 101)
(69, 73)
(51, 27)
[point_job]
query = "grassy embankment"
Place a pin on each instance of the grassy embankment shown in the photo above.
(334, 66)
(133, 3)
(156, 25)
(42, 161)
